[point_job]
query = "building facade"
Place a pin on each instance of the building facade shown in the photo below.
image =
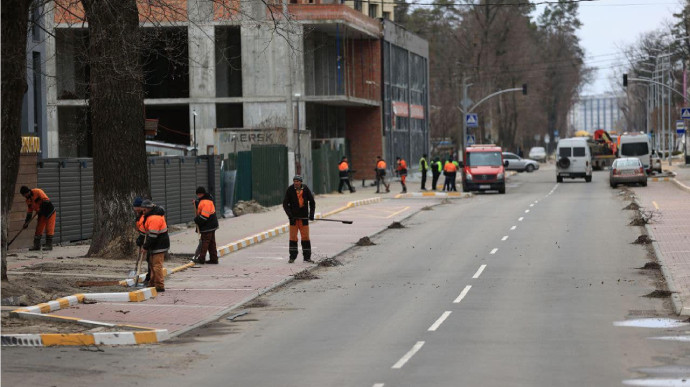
(338, 69)
(591, 113)
(33, 122)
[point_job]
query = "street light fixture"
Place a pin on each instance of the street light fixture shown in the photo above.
(298, 153)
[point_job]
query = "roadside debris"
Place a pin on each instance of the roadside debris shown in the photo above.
(659, 294)
(330, 262)
(238, 314)
(650, 266)
(643, 240)
(248, 207)
(427, 208)
(396, 225)
(632, 206)
(305, 275)
(365, 242)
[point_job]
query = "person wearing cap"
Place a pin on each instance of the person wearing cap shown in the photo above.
(157, 241)
(141, 230)
(401, 168)
(37, 201)
(207, 223)
(299, 206)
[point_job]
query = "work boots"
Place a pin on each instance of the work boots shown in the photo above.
(37, 244)
(49, 243)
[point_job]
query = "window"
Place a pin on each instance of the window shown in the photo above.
(387, 15)
(36, 23)
(475, 159)
(579, 151)
(373, 10)
(358, 5)
(564, 152)
(634, 149)
(509, 156)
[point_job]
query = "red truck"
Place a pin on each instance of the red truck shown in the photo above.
(483, 169)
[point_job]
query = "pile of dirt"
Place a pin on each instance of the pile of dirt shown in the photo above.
(638, 221)
(32, 289)
(251, 207)
(305, 275)
(632, 206)
(396, 225)
(427, 208)
(659, 294)
(330, 262)
(650, 266)
(643, 240)
(365, 242)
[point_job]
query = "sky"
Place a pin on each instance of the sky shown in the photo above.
(608, 26)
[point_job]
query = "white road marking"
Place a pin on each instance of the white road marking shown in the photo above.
(408, 356)
(531, 205)
(462, 294)
(479, 271)
(494, 251)
(378, 385)
(440, 321)
(504, 238)
(513, 228)
(520, 219)
(526, 211)
(536, 201)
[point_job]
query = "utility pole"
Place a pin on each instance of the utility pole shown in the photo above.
(289, 128)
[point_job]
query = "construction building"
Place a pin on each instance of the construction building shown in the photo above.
(339, 71)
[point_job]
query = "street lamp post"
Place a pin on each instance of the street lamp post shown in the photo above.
(298, 153)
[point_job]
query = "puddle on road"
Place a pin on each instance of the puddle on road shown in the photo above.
(657, 382)
(651, 323)
(672, 338)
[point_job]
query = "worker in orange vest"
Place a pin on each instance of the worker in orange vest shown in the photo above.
(139, 216)
(207, 223)
(344, 172)
(381, 174)
(299, 205)
(37, 201)
(401, 167)
(449, 170)
(157, 241)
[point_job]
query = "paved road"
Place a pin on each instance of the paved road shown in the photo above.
(521, 289)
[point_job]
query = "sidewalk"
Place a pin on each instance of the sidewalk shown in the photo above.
(203, 293)
(671, 231)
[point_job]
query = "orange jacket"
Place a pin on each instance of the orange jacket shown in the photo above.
(381, 164)
(40, 203)
(342, 167)
(157, 239)
(402, 165)
(206, 217)
(450, 168)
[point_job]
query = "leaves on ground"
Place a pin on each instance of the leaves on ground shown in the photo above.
(396, 225)
(365, 242)
(659, 294)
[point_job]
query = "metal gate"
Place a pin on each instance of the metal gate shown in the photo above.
(269, 173)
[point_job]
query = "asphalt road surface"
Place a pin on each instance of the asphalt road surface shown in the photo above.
(522, 289)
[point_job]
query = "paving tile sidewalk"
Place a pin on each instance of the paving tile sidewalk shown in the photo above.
(201, 294)
(671, 233)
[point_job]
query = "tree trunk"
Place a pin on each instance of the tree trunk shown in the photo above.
(15, 21)
(117, 118)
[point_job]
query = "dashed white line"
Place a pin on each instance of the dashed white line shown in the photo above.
(462, 294)
(536, 201)
(378, 385)
(504, 238)
(520, 219)
(531, 205)
(408, 355)
(513, 228)
(526, 211)
(440, 321)
(479, 271)
(494, 251)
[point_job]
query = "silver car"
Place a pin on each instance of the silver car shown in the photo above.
(513, 162)
(628, 170)
(537, 153)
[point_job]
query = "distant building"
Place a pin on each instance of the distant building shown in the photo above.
(33, 122)
(591, 113)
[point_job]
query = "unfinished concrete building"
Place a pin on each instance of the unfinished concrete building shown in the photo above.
(338, 71)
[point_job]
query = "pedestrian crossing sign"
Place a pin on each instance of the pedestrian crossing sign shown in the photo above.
(471, 120)
(685, 113)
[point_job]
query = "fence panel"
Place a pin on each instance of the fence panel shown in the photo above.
(243, 180)
(269, 173)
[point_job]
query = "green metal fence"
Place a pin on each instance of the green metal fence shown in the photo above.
(269, 173)
(325, 168)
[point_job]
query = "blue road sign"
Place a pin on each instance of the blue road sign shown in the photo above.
(471, 120)
(555, 133)
(685, 113)
(680, 131)
(469, 140)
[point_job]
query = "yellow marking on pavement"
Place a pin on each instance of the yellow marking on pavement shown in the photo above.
(67, 339)
(145, 337)
(655, 205)
(396, 213)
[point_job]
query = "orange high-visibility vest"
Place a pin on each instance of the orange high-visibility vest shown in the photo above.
(37, 198)
(342, 167)
(450, 167)
(381, 164)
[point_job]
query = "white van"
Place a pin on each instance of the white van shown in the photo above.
(636, 145)
(574, 159)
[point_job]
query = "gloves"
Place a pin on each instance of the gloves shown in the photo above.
(26, 225)
(140, 240)
(311, 216)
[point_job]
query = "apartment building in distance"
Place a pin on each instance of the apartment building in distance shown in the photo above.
(340, 71)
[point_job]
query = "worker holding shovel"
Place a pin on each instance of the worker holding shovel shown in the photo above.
(157, 241)
(299, 205)
(139, 216)
(207, 223)
(38, 201)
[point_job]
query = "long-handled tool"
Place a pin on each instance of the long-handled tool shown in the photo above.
(137, 267)
(330, 220)
(22, 229)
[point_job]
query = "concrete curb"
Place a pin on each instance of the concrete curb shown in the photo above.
(143, 336)
(85, 339)
(681, 185)
(449, 195)
(676, 300)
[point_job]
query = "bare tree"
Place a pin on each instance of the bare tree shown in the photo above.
(15, 21)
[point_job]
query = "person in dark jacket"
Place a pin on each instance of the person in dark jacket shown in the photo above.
(344, 173)
(139, 216)
(157, 241)
(436, 168)
(299, 205)
(207, 223)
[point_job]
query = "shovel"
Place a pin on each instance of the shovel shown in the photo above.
(330, 220)
(22, 229)
(137, 267)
